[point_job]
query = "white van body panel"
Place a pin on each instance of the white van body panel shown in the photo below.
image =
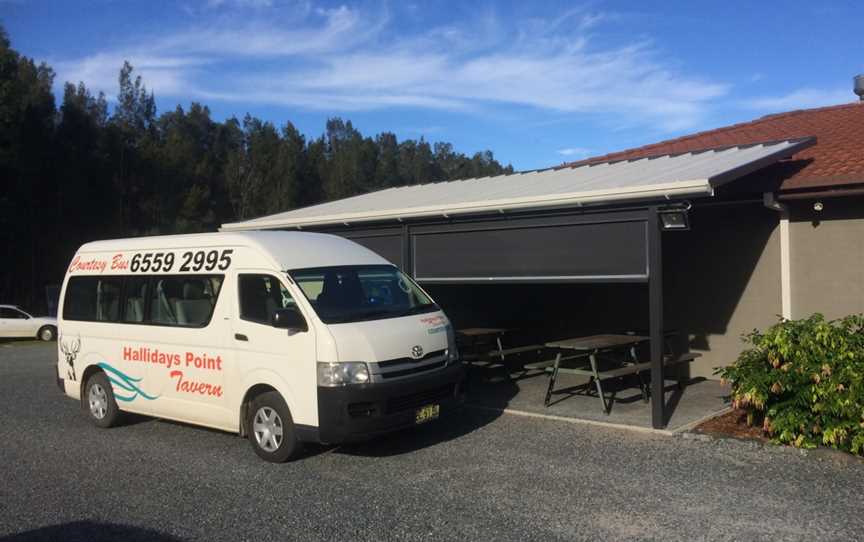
(361, 341)
(202, 374)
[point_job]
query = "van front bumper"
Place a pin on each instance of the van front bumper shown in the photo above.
(360, 412)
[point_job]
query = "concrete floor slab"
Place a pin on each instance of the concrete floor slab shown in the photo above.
(524, 392)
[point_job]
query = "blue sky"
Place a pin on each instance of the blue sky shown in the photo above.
(538, 83)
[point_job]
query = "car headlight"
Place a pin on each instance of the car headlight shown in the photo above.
(332, 374)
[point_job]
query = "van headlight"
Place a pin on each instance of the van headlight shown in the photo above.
(332, 374)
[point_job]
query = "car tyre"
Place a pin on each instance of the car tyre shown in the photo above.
(271, 428)
(47, 333)
(99, 402)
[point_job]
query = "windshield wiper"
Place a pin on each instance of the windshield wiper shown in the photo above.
(417, 309)
(373, 314)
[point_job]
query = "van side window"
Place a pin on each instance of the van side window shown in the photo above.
(136, 298)
(95, 299)
(261, 296)
(108, 300)
(183, 300)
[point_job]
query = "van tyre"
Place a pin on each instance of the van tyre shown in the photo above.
(99, 401)
(46, 333)
(271, 428)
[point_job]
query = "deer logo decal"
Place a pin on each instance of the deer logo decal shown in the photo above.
(70, 350)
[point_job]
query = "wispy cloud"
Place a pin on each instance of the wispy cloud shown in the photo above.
(575, 152)
(801, 99)
(321, 32)
(352, 59)
(168, 75)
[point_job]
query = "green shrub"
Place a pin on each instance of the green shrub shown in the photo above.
(803, 380)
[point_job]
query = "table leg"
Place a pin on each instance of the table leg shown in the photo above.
(597, 383)
(552, 378)
(501, 356)
(643, 386)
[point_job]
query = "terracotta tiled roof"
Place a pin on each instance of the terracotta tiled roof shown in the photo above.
(837, 158)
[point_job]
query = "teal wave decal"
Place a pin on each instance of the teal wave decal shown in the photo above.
(124, 382)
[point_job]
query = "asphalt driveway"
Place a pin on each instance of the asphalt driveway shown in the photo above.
(481, 476)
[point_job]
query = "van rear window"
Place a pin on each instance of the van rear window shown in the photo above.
(94, 299)
(179, 300)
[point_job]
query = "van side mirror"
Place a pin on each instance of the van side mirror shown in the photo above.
(289, 319)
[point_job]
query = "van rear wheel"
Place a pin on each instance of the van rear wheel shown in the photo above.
(271, 428)
(99, 401)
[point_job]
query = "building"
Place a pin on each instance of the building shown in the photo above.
(786, 240)
(775, 209)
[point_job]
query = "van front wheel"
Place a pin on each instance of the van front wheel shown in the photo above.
(271, 428)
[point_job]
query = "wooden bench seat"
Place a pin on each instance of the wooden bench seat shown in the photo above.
(515, 350)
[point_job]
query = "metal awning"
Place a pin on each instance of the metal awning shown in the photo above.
(668, 176)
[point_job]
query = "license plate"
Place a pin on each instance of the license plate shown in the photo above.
(427, 413)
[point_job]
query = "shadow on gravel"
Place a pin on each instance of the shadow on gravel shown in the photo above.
(90, 531)
(453, 426)
(410, 440)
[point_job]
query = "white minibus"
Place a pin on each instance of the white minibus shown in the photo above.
(284, 337)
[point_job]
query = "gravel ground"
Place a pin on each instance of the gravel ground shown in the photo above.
(481, 476)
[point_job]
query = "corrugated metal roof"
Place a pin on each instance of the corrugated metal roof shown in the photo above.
(658, 177)
(837, 161)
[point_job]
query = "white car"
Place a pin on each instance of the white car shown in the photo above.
(14, 322)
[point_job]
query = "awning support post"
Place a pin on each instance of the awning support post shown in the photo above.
(407, 254)
(655, 319)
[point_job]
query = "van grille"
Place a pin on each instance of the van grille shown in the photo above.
(419, 399)
(400, 361)
(413, 370)
(362, 410)
(402, 367)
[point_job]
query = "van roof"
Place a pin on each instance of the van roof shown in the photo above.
(288, 250)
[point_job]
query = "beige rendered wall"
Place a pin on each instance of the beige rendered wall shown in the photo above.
(722, 279)
(827, 255)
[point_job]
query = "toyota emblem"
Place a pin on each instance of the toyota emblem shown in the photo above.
(417, 352)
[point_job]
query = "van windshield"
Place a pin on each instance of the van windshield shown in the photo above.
(354, 293)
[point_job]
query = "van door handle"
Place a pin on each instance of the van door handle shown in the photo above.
(241, 337)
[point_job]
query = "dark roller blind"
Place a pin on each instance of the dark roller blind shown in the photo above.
(615, 249)
(388, 247)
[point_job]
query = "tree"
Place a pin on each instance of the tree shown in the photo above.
(252, 167)
(387, 168)
(291, 167)
(76, 174)
(85, 199)
(27, 112)
(130, 132)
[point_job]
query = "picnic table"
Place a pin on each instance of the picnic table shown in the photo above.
(473, 339)
(473, 336)
(608, 345)
(591, 347)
